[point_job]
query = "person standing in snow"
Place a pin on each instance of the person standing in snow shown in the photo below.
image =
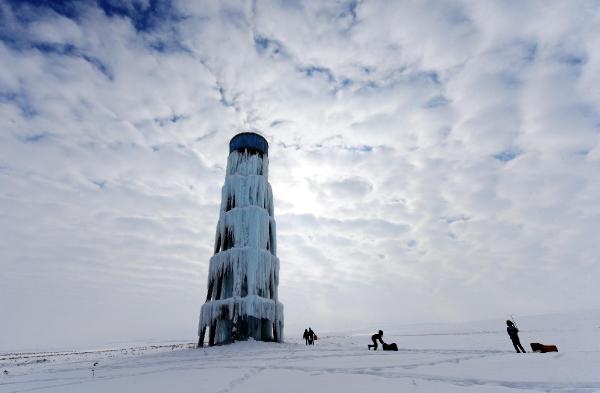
(513, 333)
(311, 336)
(376, 337)
(305, 336)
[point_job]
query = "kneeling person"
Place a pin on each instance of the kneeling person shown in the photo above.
(376, 337)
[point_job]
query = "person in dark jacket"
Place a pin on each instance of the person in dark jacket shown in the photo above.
(376, 337)
(305, 336)
(513, 333)
(311, 337)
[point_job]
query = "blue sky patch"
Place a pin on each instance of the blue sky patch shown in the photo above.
(143, 17)
(453, 219)
(277, 122)
(434, 77)
(312, 71)
(72, 51)
(222, 98)
(174, 118)
(20, 100)
(99, 183)
(437, 101)
(34, 138)
(266, 45)
(349, 11)
(359, 148)
(25, 10)
(506, 155)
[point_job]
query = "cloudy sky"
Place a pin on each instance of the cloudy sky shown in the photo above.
(430, 161)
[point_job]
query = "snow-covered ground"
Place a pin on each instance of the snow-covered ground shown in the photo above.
(474, 357)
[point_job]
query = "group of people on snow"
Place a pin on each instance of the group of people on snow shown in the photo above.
(309, 336)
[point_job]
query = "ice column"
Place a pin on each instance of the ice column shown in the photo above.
(243, 274)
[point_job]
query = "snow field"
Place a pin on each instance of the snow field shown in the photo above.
(432, 358)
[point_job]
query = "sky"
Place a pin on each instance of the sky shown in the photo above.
(430, 160)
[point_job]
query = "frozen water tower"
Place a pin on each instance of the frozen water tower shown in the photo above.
(243, 274)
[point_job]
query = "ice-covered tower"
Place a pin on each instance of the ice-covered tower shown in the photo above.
(244, 271)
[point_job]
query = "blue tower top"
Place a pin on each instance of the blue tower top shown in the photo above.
(250, 141)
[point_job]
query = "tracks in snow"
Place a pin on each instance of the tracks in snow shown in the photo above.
(232, 367)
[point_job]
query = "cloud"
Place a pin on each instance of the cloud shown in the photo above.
(429, 160)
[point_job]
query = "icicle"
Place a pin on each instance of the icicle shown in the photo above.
(250, 190)
(260, 267)
(247, 164)
(248, 226)
(251, 305)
